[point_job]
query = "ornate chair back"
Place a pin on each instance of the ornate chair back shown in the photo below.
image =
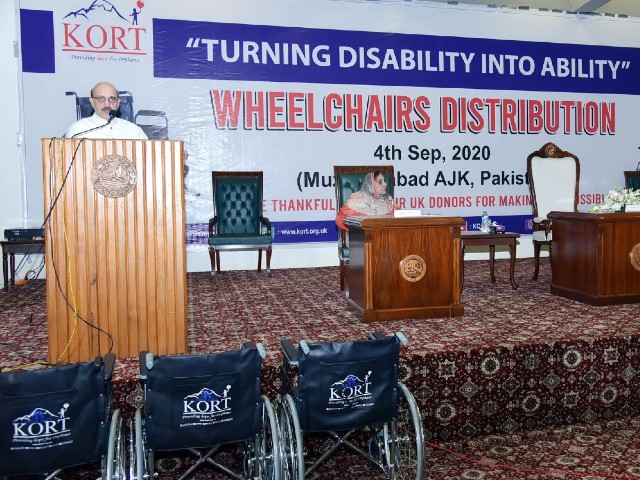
(554, 181)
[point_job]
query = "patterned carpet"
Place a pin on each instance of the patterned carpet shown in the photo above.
(497, 384)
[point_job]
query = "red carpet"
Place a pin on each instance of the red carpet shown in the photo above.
(515, 363)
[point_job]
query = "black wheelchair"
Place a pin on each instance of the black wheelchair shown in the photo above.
(346, 391)
(200, 403)
(61, 417)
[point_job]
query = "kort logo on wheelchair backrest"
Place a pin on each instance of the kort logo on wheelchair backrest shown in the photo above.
(349, 392)
(206, 407)
(41, 429)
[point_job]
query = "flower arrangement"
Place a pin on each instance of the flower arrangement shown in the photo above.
(616, 200)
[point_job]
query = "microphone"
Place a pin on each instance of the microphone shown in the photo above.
(112, 114)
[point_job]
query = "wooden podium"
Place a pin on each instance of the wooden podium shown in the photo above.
(405, 267)
(595, 258)
(115, 248)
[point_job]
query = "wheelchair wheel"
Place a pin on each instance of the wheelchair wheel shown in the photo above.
(116, 456)
(293, 457)
(270, 456)
(408, 438)
(137, 449)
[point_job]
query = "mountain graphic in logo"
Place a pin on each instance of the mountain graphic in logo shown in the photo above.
(39, 415)
(351, 381)
(208, 395)
(96, 6)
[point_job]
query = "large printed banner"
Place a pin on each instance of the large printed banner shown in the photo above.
(455, 98)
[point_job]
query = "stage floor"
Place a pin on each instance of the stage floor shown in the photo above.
(517, 359)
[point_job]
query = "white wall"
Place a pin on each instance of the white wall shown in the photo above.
(11, 191)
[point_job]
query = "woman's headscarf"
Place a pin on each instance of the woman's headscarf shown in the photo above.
(376, 203)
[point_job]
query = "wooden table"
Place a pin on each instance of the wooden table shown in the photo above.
(476, 238)
(596, 257)
(405, 267)
(25, 246)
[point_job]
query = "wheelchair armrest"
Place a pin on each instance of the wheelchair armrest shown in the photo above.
(290, 352)
(109, 363)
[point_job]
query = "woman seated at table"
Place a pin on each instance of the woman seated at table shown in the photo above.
(371, 199)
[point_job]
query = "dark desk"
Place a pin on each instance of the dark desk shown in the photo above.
(475, 238)
(10, 248)
(596, 257)
(405, 267)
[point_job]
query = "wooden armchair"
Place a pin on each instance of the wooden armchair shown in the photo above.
(348, 179)
(554, 181)
(238, 223)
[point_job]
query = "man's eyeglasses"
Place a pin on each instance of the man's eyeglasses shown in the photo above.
(102, 99)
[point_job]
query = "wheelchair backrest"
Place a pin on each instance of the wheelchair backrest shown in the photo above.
(126, 105)
(203, 400)
(348, 385)
(52, 418)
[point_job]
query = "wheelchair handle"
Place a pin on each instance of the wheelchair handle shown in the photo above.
(403, 340)
(261, 350)
(149, 360)
(305, 347)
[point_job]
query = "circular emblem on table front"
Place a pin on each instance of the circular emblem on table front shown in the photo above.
(413, 268)
(634, 256)
(114, 176)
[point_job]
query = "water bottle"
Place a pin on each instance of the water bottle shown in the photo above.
(485, 223)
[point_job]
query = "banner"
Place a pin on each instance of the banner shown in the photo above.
(455, 98)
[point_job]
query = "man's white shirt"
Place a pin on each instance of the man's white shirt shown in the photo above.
(117, 128)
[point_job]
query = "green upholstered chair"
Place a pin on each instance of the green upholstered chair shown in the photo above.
(554, 182)
(632, 180)
(348, 179)
(238, 223)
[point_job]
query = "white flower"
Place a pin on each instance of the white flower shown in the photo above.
(615, 199)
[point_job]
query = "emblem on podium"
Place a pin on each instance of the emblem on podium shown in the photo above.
(114, 176)
(413, 268)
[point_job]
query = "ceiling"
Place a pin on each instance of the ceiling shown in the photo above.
(629, 8)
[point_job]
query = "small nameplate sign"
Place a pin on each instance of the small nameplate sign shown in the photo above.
(406, 213)
(632, 208)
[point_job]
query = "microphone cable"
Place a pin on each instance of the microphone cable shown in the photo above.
(112, 114)
(47, 223)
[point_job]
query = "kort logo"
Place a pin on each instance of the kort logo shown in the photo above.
(206, 403)
(349, 389)
(41, 429)
(103, 28)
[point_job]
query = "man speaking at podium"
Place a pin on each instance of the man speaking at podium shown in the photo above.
(104, 123)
